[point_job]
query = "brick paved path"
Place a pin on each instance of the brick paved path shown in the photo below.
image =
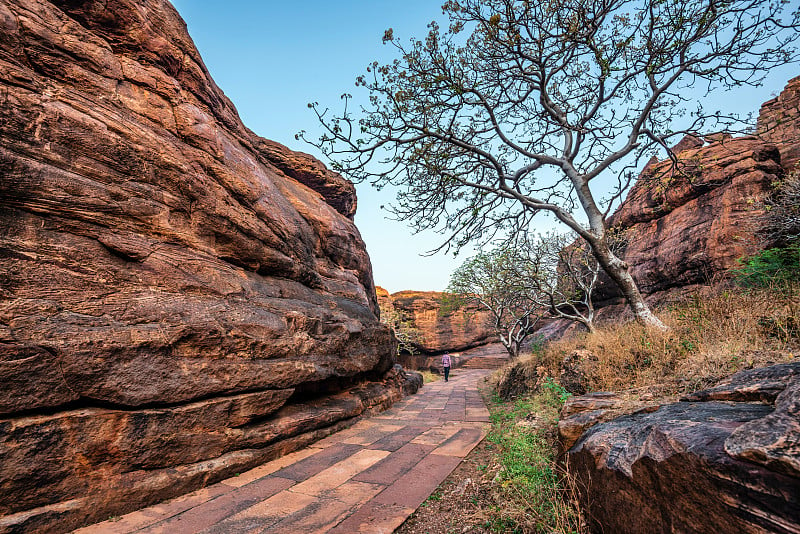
(368, 478)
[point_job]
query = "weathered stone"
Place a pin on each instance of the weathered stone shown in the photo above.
(576, 370)
(439, 331)
(779, 123)
(167, 278)
(598, 400)
(692, 466)
(774, 440)
(685, 225)
(751, 385)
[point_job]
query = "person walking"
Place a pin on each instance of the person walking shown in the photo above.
(446, 363)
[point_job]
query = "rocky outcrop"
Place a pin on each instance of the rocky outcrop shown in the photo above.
(179, 298)
(685, 225)
(441, 329)
(689, 224)
(721, 460)
(779, 123)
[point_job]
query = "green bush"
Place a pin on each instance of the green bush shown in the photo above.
(532, 485)
(771, 267)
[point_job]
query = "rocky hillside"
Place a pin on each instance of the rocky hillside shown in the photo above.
(439, 330)
(179, 298)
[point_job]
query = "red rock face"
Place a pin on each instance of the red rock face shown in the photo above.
(722, 460)
(175, 292)
(686, 225)
(455, 330)
(778, 122)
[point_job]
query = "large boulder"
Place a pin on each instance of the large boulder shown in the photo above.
(721, 460)
(179, 298)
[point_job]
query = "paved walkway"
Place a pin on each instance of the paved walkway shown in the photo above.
(368, 478)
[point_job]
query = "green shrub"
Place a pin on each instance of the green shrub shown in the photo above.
(532, 485)
(771, 267)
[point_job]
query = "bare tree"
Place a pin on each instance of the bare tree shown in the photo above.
(519, 107)
(491, 280)
(781, 219)
(562, 273)
(405, 332)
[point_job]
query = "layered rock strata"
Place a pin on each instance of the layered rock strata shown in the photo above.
(686, 225)
(778, 122)
(179, 298)
(721, 460)
(439, 328)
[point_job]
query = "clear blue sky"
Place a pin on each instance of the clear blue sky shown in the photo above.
(272, 58)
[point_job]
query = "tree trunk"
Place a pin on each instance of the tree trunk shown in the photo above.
(618, 271)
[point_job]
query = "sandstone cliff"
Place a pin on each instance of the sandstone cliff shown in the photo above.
(688, 225)
(440, 330)
(179, 298)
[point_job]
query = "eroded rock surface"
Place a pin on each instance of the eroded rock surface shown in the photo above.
(685, 225)
(723, 460)
(778, 122)
(438, 331)
(179, 298)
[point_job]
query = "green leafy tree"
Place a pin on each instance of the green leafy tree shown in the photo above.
(520, 107)
(491, 280)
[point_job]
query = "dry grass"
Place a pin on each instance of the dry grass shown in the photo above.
(712, 334)
(429, 376)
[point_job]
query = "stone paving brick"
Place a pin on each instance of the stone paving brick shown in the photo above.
(461, 443)
(339, 473)
(411, 490)
(320, 516)
(373, 518)
(372, 434)
(337, 437)
(394, 441)
(323, 459)
(212, 512)
(437, 435)
(149, 516)
(270, 467)
(263, 515)
(395, 465)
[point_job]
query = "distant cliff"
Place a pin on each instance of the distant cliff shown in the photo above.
(439, 330)
(179, 298)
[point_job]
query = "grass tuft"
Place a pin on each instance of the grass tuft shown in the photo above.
(536, 493)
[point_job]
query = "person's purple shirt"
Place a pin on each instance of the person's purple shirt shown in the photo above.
(446, 360)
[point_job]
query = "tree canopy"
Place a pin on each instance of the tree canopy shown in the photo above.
(519, 107)
(492, 281)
